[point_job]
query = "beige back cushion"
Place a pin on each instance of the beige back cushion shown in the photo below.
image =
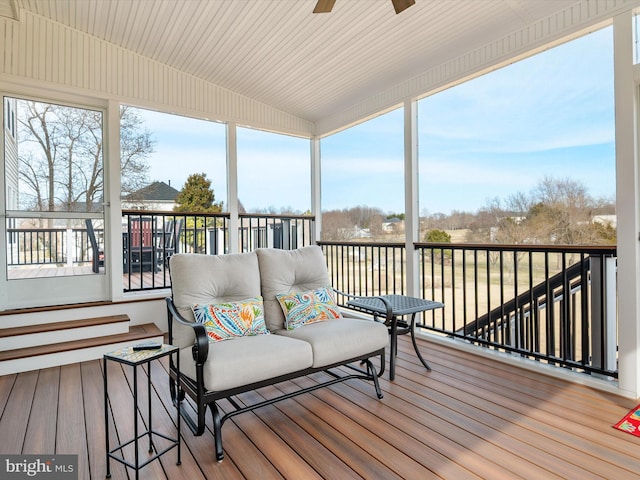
(288, 271)
(210, 279)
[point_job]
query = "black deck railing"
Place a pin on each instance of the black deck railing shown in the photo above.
(552, 304)
(150, 238)
(275, 231)
(44, 246)
(548, 303)
(366, 268)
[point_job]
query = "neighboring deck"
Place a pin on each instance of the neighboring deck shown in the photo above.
(470, 417)
(130, 281)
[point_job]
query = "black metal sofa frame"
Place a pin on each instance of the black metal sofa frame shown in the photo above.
(202, 398)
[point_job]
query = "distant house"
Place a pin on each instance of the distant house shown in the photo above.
(354, 232)
(393, 225)
(604, 219)
(157, 196)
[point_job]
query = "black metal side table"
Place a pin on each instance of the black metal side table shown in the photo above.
(391, 307)
(135, 358)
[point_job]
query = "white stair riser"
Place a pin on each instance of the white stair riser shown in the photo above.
(59, 336)
(64, 358)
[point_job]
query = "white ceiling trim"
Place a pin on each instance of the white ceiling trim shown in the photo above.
(544, 33)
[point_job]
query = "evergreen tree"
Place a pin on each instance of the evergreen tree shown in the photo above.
(436, 235)
(197, 196)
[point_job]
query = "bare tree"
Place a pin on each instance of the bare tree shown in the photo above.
(336, 226)
(347, 224)
(40, 126)
(61, 154)
(136, 146)
(556, 211)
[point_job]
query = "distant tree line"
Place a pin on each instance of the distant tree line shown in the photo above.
(554, 212)
(350, 223)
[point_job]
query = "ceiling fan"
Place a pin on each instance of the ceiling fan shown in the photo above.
(325, 6)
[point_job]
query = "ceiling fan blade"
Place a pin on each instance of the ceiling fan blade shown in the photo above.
(324, 6)
(401, 5)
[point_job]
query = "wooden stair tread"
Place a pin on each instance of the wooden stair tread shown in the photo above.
(136, 332)
(57, 326)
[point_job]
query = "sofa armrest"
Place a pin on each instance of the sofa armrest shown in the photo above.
(200, 349)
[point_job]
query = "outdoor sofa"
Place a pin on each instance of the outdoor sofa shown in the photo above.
(215, 317)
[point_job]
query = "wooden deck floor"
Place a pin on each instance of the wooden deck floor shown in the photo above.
(469, 418)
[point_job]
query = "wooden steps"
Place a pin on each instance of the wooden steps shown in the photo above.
(26, 336)
(56, 326)
(32, 347)
(137, 332)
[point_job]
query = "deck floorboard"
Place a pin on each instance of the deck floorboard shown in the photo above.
(469, 418)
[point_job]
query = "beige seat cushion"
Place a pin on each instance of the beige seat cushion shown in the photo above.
(337, 340)
(210, 279)
(245, 360)
(289, 271)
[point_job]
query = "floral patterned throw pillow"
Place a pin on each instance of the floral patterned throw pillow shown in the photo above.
(223, 321)
(308, 307)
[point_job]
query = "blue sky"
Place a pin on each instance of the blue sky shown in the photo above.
(273, 169)
(548, 115)
(185, 146)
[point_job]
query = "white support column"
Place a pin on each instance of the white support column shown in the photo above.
(70, 241)
(232, 187)
(412, 219)
(627, 201)
(316, 185)
(113, 205)
(3, 219)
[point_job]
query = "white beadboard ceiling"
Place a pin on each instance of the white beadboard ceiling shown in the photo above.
(281, 54)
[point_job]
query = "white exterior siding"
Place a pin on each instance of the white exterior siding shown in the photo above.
(11, 154)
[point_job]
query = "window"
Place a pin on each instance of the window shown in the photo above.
(159, 151)
(56, 162)
(274, 173)
(10, 120)
(54, 184)
(534, 134)
(363, 180)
